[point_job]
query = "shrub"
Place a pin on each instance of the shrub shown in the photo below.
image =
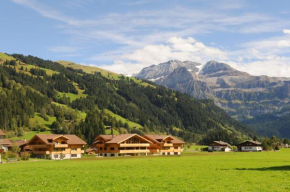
(25, 156)
(204, 149)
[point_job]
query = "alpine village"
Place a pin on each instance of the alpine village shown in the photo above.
(142, 95)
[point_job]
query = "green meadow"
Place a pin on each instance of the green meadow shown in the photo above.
(196, 171)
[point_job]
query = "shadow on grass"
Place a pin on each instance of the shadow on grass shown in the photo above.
(276, 168)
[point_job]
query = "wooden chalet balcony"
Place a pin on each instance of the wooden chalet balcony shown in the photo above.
(135, 145)
(61, 145)
(154, 150)
(168, 145)
(135, 151)
(166, 150)
(77, 152)
(41, 152)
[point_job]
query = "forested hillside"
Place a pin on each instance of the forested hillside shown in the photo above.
(42, 95)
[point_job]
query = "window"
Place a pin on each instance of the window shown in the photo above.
(112, 148)
(112, 155)
(63, 142)
(105, 148)
(74, 155)
(101, 148)
(55, 149)
(55, 156)
(73, 149)
(62, 149)
(175, 147)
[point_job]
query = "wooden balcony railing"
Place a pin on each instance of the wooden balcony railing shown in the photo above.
(135, 145)
(135, 151)
(41, 152)
(61, 145)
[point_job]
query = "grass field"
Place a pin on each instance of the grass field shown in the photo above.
(200, 171)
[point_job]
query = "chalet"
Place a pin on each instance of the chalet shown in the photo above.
(249, 146)
(5, 144)
(56, 146)
(219, 146)
(164, 144)
(121, 145)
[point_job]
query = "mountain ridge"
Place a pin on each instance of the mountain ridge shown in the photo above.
(240, 94)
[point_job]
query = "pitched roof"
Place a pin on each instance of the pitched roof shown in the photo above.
(253, 142)
(21, 143)
(72, 139)
(155, 138)
(221, 143)
(6, 142)
(2, 133)
(120, 138)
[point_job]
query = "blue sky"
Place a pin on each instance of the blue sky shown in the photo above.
(125, 36)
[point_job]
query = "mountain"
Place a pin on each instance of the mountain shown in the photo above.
(62, 97)
(244, 97)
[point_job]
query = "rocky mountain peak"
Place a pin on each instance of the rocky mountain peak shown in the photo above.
(156, 72)
(216, 69)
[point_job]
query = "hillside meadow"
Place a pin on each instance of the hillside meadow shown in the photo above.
(198, 171)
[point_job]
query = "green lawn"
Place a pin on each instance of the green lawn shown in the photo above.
(28, 135)
(72, 96)
(201, 172)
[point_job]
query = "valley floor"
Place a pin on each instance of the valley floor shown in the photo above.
(198, 171)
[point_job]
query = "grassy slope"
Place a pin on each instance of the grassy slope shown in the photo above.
(202, 172)
(105, 73)
(89, 69)
(4, 57)
(118, 117)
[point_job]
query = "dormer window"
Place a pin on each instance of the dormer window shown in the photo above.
(49, 140)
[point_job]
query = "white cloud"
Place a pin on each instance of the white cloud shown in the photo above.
(63, 49)
(123, 67)
(286, 31)
(175, 49)
(255, 60)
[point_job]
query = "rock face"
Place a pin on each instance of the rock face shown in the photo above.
(155, 72)
(243, 96)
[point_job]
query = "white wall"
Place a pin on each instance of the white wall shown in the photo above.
(251, 148)
(218, 148)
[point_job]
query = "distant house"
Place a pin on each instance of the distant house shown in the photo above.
(2, 134)
(219, 146)
(5, 144)
(90, 151)
(23, 146)
(56, 146)
(249, 146)
(165, 144)
(121, 145)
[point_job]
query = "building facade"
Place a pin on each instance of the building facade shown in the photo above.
(250, 146)
(56, 146)
(121, 145)
(219, 146)
(5, 144)
(165, 145)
